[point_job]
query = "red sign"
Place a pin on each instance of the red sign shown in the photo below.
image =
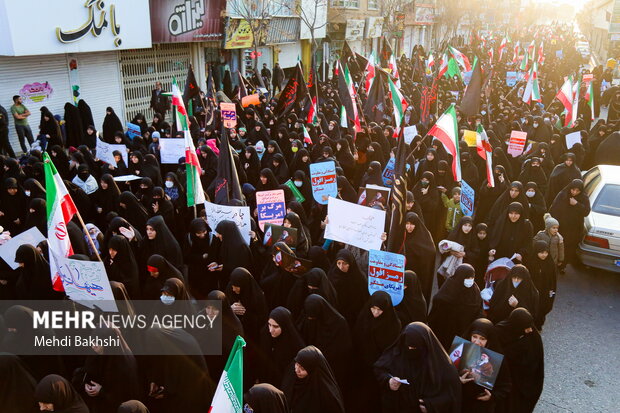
(186, 20)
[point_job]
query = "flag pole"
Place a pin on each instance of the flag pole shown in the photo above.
(90, 241)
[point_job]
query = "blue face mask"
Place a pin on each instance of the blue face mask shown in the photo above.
(166, 299)
(515, 284)
(468, 282)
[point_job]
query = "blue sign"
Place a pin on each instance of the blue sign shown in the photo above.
(133, 130)
(388, 173)
(323, 179)
(467, 199)
(386, 272)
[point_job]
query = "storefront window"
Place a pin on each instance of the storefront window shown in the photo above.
(349, 4)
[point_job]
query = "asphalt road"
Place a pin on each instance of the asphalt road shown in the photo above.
(582, 344)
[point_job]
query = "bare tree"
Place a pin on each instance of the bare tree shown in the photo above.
(312, 13)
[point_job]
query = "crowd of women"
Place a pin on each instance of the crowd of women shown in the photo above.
(317, 341)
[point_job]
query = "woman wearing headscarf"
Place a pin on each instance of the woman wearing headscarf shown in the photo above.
(537, 206)
(55, 394)
(279, 342)
(280, 168)
(514, 193)
(276, 280)
(543, 271)
(413, 306)
(462, 234)
(196, 257)
(570, 207)
(420, 252)
(488, 195)
(229, 251)
(271, 149)
(418, 357)
(265, 398)
(37, 216)
(122, 266)
(34, 281)
(516, 290)
(179, 381)
(428, 196)
(16, 385)
(373, 175)
(511, 235)
(120, 226)
(314, 281)
(247, 301)
(132, 406)
(532, 171)
(310, 385)
(33, 189)
(159, 240)
(109, 376)
(351, 285)
(131, 209)
(267, 181)
(107, 196)
(174, 299)
(251, 165)
(13, 207)
(456, 305)
(562, 175)
(158, 271)
(292, 220)
(49, 129)
(111, 125)
(477, 398)
(524, 355)
(323, 326)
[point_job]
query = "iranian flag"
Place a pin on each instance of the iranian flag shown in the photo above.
(502, 46)
(394, 69)
(485, 151)
(446, 130)
(307, 138)
(524, 61)
(541, 54)
(195, 194)
(399, 105)
(312, 114)
(575, 103)
(460, 58)
(515, 56)
(491, 55)
(430, 62)
(351, 90)
(565, 95)
(370, 71)
(60, 210)
(456, 354)
(343, 117)
(532, 89)
(228, 396)
(443, 68)
(590, 98)
(531, 47)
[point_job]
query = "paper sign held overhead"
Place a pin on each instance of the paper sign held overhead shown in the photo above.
(171, 149)
(105, 152)
(271, 207)
(240, 215)
(386, 272)
(7, 250)
(229, 114)
(323, 179)
(572, 139)
(516, 143)
(467, 199)
(86, 282)
(354, 224)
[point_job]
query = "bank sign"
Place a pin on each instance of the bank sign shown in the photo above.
(73, 26)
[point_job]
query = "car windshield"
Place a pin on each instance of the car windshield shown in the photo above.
(607, 201)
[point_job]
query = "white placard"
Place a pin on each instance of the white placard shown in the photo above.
(7, 250)
(354, 224)
(171, 149)
(409, 133)
(572, 138)
(240, 215)
(125, 178)
(105, 152)
(86, 282)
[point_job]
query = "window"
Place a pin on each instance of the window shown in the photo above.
(348, 4)
(373, 4)
(607, 201)
(591, 180)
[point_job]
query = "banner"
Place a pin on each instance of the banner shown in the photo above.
(516, 143)
(229, 114)
(323, 179)
(354, 224)
(386, 272)
(240, 215)
(277, 233)
(467, 199)
(105, 152)
(271, 207)
(133, 130)
(171, 149)
(7, 250)
(86, 282)
(409, 133)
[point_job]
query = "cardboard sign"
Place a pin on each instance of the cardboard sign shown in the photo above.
(7, 250)
(240, 215)
(250, 100)
(171, 149)
(388, 173)
(588, 77)
(386, 272)
(229, 114)
(511, 78)
(354, 224)
(572, 139)
(105, 152)
(87, 283)
(372, 196)
(277, 233)
(133, 130)
(323, 180)
(409, 132)
(469, 136)
(516, 143)
(482, 364)
(271, 207)
(467, 199)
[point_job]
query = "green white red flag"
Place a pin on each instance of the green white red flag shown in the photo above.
(460, 58)
(399, 106)
(195, 194)
(307, 138)
(590, 99)
(60, 210)
(502, 46)
(446, 130)
(485, 151)
(515, 56)
(532, 89)
(370, 71)
(575, 103)
(228, 396)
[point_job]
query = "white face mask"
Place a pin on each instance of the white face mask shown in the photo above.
(169, 184)
(515, 284)
(27, 193)
(468, 282)
(530, 194)
(166, 299)
(298, 184)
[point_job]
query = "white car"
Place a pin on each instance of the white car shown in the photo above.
(600, 247)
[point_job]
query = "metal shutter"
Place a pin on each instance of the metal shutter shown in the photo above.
(141, 68)
(100, 84)
(15, 72)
